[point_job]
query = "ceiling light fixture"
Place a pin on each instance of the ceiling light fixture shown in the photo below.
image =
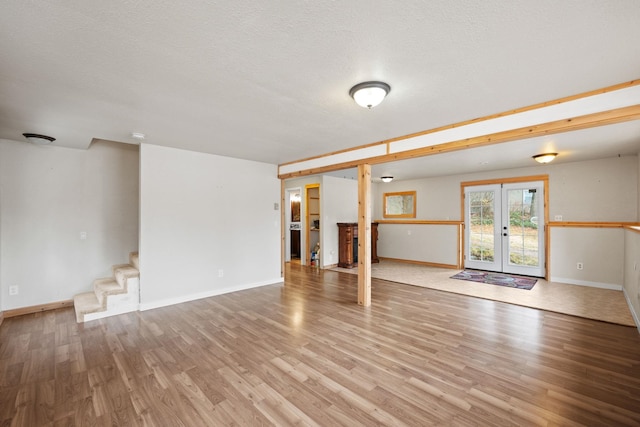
(544, 158)
(38, 139)
(137, 135)
(386, 178)
(369, 94)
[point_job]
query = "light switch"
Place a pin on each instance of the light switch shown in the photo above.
(83, 235)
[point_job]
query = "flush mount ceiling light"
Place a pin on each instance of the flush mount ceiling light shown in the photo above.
(545, 158)
(137, 135)
(369, 94)
(386, 178)
(38, 139)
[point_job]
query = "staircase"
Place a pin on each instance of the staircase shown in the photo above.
(112, 295)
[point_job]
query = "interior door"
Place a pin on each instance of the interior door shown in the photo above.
(504, 228)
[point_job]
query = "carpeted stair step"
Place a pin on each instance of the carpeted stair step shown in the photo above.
(123, 287)
(106, 286)
(123, 272)
(134, 260)
(86, 303)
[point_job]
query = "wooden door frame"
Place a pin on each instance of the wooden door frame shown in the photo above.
(307, 226)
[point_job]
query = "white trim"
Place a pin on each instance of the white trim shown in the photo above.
(88, 317)
(212, 293)
(578, 107)
(611, 286)
(635, 316)
(333, 159)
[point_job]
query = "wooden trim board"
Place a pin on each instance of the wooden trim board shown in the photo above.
(38, 308)
(419, 222)
(591, 224)
(424, 263)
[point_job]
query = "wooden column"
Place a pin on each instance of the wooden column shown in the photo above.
(364, 235)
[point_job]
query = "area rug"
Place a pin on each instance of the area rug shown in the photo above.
(499, 279)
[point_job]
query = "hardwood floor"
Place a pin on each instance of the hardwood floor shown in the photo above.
(585, 301)
(307, 354)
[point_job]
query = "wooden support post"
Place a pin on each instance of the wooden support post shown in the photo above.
(364, 235)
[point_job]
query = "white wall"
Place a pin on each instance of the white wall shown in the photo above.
(436, 198)
(600, 250)
(201, 214)
(632, 272)
(413, 242)
(339, 201)
(48, 195)
(597, 191)
(638, 174)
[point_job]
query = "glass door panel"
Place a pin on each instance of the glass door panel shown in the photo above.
(524, 240)
(482, 227)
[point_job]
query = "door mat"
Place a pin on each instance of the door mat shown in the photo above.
(500, 279)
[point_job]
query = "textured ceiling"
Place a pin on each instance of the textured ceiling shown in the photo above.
(269, 81)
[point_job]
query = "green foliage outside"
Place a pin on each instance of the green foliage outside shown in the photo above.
(519, 259)
(518, 219)
(482, 254)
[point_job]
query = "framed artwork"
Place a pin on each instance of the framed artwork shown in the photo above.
(399, 205)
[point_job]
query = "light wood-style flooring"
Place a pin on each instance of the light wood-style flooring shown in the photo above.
(306, 354)
(584, 301)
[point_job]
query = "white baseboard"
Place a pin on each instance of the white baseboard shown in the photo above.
(212, 293)
(635, 316)
(611, 286)
(108, 313)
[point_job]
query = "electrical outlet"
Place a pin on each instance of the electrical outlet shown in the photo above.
(558, 218)
(220, 273)
(83, 235)
(579, 266)
(13, 290)
(408, 232)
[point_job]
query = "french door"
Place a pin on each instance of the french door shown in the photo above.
(504, 228)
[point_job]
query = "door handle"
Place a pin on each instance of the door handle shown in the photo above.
(504, 234)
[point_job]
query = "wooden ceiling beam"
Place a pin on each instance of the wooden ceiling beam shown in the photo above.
(602, 118)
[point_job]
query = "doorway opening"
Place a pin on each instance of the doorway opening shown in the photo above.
(505, 226)
(293, 240)
(312, 255)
